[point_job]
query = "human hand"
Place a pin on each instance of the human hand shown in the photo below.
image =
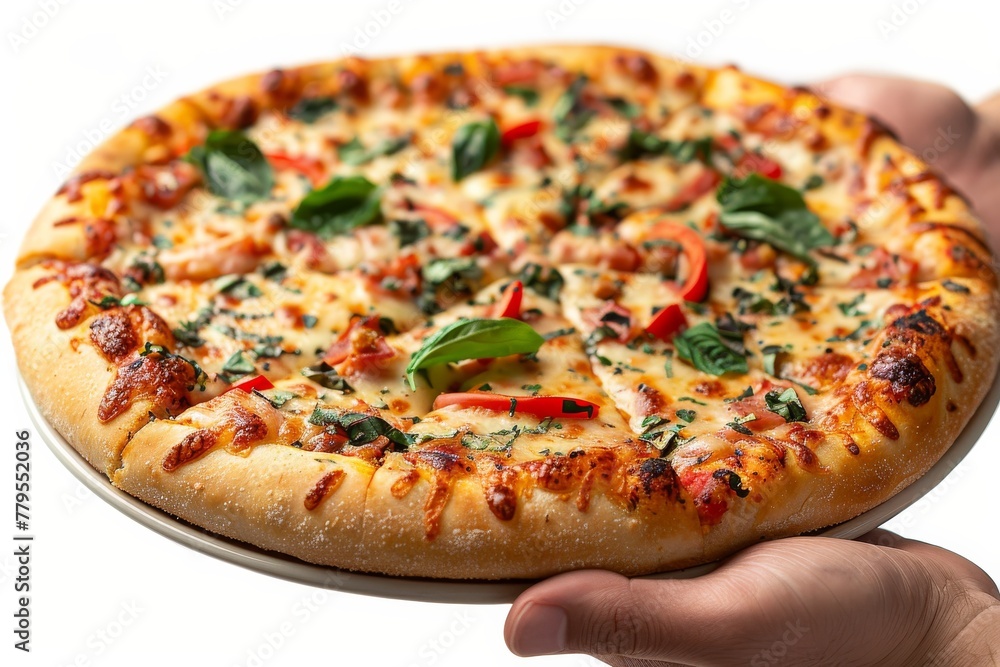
(804, 600)
(959, 141)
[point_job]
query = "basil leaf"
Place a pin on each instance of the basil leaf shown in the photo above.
(544, 280)
(643, 143)
(474, 145)
(238, 364)
(326, 375)
(309, 109)
(474, 339)
(360, 428)
(355, 153)
(785, 403)
(528, 95)
(702, 347)
(409, 231)
(343, 204)
(233, 166)
(569, 113)
(763, 209)
(446, 280)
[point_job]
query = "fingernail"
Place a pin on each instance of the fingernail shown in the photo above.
(540, 630)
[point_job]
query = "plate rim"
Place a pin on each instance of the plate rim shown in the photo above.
(446, 591)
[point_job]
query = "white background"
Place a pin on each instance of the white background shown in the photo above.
(64, 77)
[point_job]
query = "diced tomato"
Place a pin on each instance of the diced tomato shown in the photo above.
(311, 168)
(708, 493)
(520, 131)
(258, 382)
(360, 347)
(401, 276)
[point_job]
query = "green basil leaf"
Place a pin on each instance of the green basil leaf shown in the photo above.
(762, 209)
(447, 280)
(702, 347)
(474, 339)
(569, 113)
(354, 152)
(409, 231)
(233, 166)
(361, 429)
(310, 109)
(343, 204)
(641, 143)
(474, 145)
(785, 403)
(528, 95)
(326, 375)
(238, 364)
(544, 280)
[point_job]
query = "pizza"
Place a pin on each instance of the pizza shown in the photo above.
(502, 314)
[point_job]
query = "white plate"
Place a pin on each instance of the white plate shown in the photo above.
(436, 590)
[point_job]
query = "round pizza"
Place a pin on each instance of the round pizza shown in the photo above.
(503, 314)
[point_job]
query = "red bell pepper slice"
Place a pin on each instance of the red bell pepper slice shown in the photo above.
(667, 322)
(510, 304)
(258, 382)
(765, 166)
(520, 131)
(696, 286)
(556, 407)
(311, 168)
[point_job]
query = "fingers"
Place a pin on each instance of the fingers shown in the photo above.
(606, 614)
(931, 119)
(951, 563)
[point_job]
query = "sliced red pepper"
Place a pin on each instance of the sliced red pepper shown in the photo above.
(520, 131)
(362, 344)
(258, 382)
(696, 286)
(753, 162)
(311, 168)
(704, 182)
(510, 305)
(667, 322)
(557, 407)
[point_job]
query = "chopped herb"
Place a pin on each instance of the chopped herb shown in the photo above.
(544, 280)
(854, 335)
(162, 242)
(686, 415)
(785, 403)
(277, 397)
(640, 144)
(559, 333)
(326, 375)
(533, 388)
(361, 429)
(409, 231)
(528, 95)
(738, 424)
(746, 393)
(310, 109)
(851, 307)
(354, 152)
(446, 281)
(309, 321)
(237, 365)
(952, 286)
(813, 182)
(569, 112)
(688, 399)
(735, 483)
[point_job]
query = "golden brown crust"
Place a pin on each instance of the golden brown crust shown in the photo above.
(445, 516)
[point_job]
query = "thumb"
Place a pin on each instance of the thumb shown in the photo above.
(605, 614)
